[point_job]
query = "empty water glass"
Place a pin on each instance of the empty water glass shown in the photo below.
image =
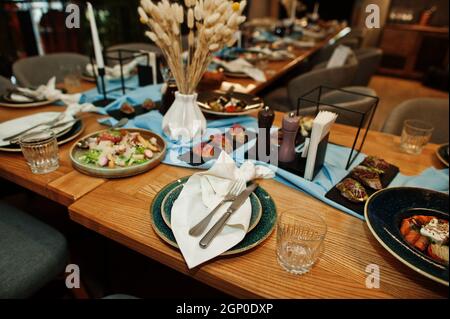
(415, 136)
(300, 236)
(41, 151)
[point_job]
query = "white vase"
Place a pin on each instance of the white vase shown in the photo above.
(184, 120)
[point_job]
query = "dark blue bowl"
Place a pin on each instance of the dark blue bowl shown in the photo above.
(384, 213)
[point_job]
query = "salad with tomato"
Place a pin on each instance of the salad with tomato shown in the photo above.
(119, 148)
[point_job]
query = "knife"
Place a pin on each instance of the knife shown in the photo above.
(218, 227)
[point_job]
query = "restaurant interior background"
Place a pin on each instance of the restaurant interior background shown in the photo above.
(414, 64)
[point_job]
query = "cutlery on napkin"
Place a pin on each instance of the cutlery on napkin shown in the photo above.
(237, 87)
(242, 66)
(200, 195)
(45, 92)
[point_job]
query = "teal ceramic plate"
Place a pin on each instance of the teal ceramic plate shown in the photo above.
(260, 233)
(167, 203)
(384, 213)
(443, 154)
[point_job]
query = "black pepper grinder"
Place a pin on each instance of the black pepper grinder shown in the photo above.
(266, 118)
(168, 96)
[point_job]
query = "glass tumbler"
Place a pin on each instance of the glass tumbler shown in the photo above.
(300, 236)
(415, 136)
(41, 151)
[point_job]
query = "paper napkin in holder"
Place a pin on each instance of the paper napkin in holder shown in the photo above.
(318, 143)
(200, 195)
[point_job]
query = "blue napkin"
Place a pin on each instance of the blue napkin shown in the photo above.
(93, 95)
(334, 171)
(153, 121)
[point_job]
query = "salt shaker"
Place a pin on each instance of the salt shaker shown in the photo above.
(265, 121)
(290, 128)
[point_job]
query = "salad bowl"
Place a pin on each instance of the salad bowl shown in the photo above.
(88, 159)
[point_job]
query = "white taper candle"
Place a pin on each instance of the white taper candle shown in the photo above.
(95, 38)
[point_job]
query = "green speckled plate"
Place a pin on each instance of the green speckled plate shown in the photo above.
(167, 203)
(260, 233)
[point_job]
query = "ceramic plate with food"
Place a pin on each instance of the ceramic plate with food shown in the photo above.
(16, 100)
(412, 224)
(229, 104)
(118, 153)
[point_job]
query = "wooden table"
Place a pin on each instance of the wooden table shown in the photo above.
(276, 70)
(119, 210)
(66, 185)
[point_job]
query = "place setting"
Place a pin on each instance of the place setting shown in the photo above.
(47, 94)
(64, 125)
(220, 212)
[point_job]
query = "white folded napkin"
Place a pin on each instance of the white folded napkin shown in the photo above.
(18, 125)
(237, 87)
(241, 65)
(200, 195)
(49, 92)
(114, 73)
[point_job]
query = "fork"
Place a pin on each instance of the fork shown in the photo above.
(50, 123)
(235, 189)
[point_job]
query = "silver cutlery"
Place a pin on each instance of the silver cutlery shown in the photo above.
(198, 229)
(24, 94)
(218, 227)
(52, 122)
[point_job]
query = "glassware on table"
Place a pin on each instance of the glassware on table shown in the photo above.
(72, 77)
(415, 136)
(300, 236)
(41, 151)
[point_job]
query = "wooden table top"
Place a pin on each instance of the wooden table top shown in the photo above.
(119, 210)
(66, 185)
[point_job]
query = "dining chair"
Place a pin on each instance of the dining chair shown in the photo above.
(286, 98)
(136, 46)
(32, 254)
(431, 110)
(37, 70)
(369, 60)
(4, 85)
(349, 103)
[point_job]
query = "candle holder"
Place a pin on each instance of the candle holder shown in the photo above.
(101, 74)
(364, 117)
(122, 56)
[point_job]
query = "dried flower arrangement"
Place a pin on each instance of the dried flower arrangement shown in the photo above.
(290, 6)
(211, 23)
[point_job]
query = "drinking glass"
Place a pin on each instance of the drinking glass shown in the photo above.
(300, 236)
(41, 151)
(415, 136)
(72, 77)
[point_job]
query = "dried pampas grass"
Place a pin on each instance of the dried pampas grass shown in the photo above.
(212, 25)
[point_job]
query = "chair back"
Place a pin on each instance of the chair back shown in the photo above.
(337, 77)
(431, 110)
(4, 85)
(346, 101)
(37, 70)
(137, 46)
(369, 60)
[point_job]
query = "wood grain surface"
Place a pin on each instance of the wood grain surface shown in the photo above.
(119, 210)
(66, 185)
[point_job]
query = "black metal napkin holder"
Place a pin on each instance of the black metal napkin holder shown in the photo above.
(121, 56)
(364, 117)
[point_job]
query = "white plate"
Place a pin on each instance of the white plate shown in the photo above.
(17, 125)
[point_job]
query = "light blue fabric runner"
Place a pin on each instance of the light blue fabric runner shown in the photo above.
(332, 172)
